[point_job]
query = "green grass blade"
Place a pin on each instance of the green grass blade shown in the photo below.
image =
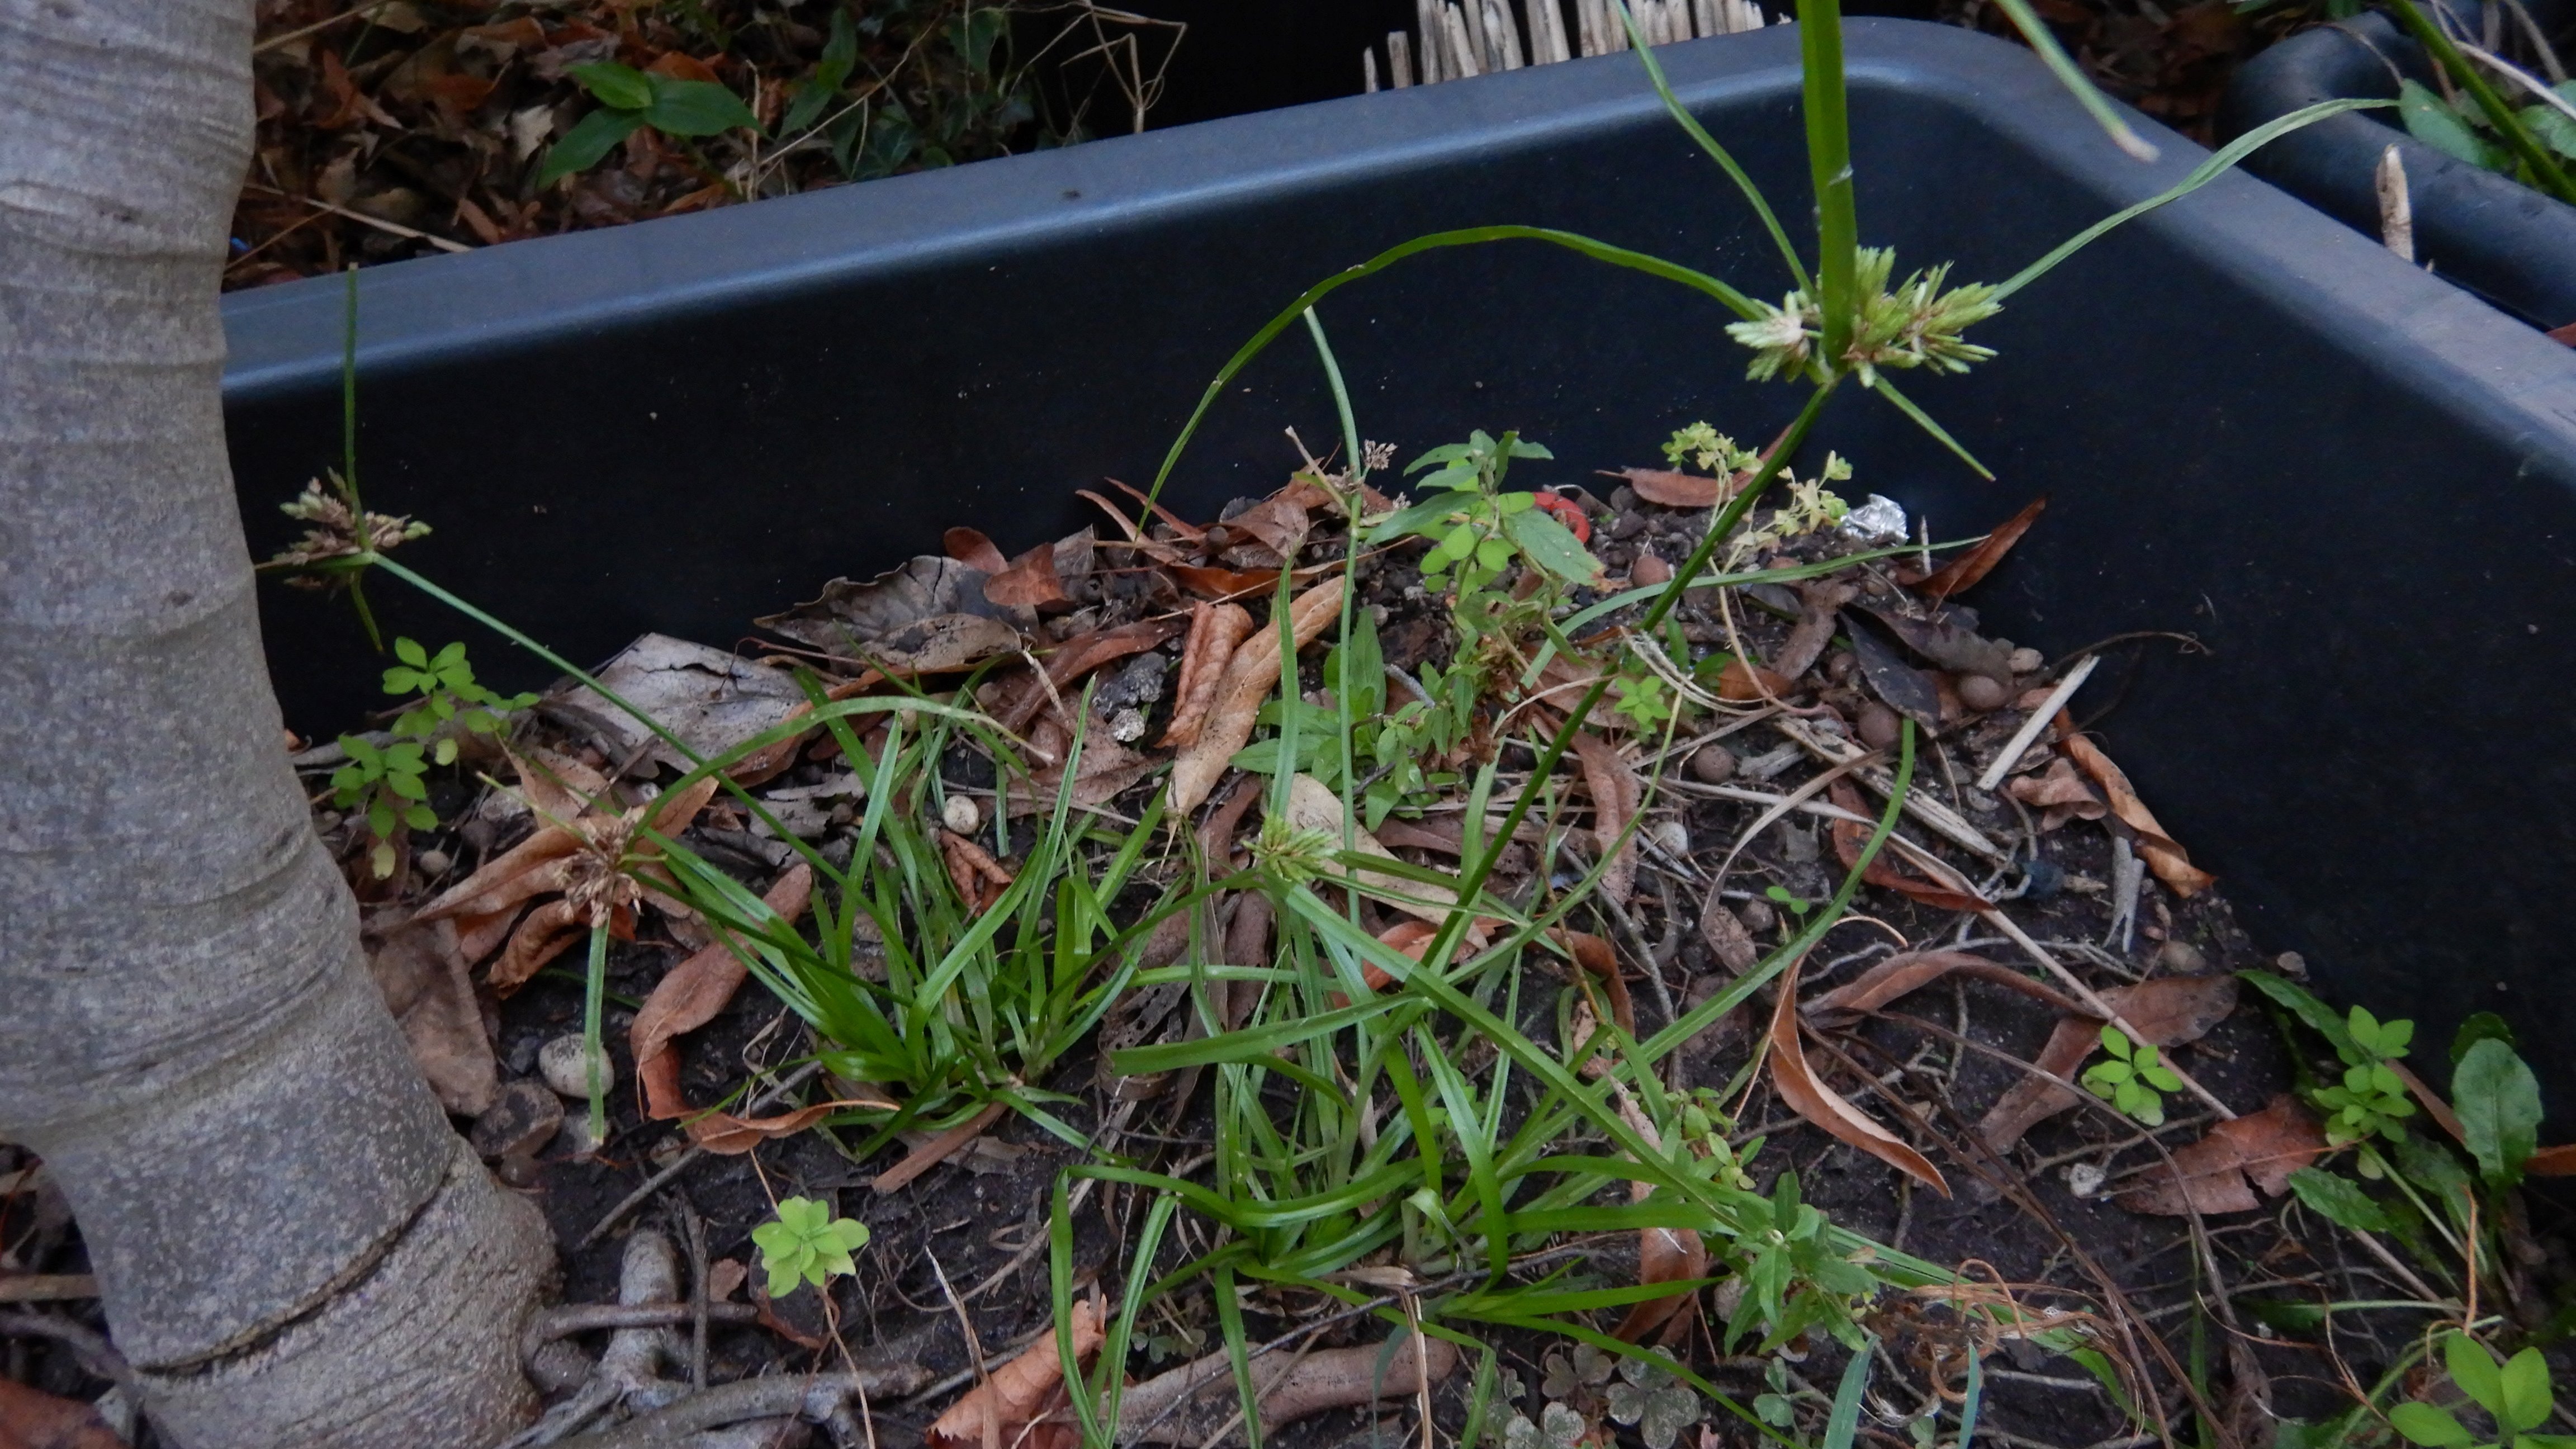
(1842, 1426)
(1923, 420)
(1601, 251)
(1725, 161)
(1829, 170)
(2207, 171)
(2071, 76)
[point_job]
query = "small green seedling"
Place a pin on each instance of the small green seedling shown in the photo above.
(630, 99)
(806, 1244)
(2516, 1395)
(445, 683)
(1476, 529)
(1788, 901)
(387, 784)
(2371, 1100)
(2134, 1080)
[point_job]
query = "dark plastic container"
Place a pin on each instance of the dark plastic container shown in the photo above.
(2355, 483)
(2488, 233)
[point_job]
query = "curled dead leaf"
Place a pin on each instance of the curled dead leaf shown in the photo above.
(1911, 971)
(1738, 685)
(979, 878)
(2220, 1172)
(2168, 860)
(1215, 631)
(423, 977)
(970, 547)
(1008, 1405)
(1724, 932)
(1670, 489)
(2059, 794)
(1616, 793)
(1250, 675)
(1851, 837)
(1963, 572)
(928, 616)
(1809, 1097)
(1664, 1255)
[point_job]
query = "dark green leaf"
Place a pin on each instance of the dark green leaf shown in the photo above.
(593, 137)
(696, 108)
(2480, 1026)
(2340, 1199)
(2423, 1424)
(2319, 1017)
(622, 87)
(2436, 125)
(1553, 547)
(2499, 1105)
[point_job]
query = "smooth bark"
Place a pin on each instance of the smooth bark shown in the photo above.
(293, 1245)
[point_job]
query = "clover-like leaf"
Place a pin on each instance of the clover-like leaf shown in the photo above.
(2426, 1425)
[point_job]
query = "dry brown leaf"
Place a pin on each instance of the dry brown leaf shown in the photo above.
(928, 616)
(423, 977)
(31, 1419)
(1264, 536)
(970, 547)
(979, 878)
(1215, 631)
(1725, 934)
(1102, 771)
(709, 698)
(1851, 837)
(1210, 582)
(2168, 1011)
(1911, 971)
(1822, 601)
(1675, 490)
(1004, 1407)
(1190, 532)
(1739, 685)
(1616, 794)
(1597, 957)
(938, 1149)
(1664, 1255)
(2059, 795)
(1809, 1097)
(1191, 1404)
(2219, 1173)
(1250, 675)
(1014, 704)
(2168, 860)
(1031, 581)
(1962, 573)
(688, 997)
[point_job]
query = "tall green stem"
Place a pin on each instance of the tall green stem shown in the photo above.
(2545, 172)
(1820, 45)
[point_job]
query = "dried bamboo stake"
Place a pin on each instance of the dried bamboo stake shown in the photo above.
(2396, 210)
(1503, 34)
(1480, 53)
(1587, 26)
(1708, 17)
(1426, 23)
(1462, 59)
(1399, 56)
(1368, 71)
(1547, 33)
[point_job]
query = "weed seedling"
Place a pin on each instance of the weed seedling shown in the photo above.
(806, 1244)
(2134, 1080)
(631, 99)
(2516, 1396)
(2370, 1100)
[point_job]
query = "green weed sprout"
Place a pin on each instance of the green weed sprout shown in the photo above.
(806, 1244)
(387, 783)
(2371, 1100)
(1476, 529)
(2134, 1080)
(630, 99)
(2516, 1395)
(448, 693)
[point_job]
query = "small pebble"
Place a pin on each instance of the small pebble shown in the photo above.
(1757, 916)
(1713, 764)
(1628, 525)
(565, 1066)
(1670, 835)
(2292, 965)
(2083, 1178)
(1879, 726)
(2025, 661)
(1126, 726)
(518, 1171)
(2182, 958)
(1978, 692)
(519, 1123)
(1839, 665)
(433, 863)
(961, 814)
(1650, 570)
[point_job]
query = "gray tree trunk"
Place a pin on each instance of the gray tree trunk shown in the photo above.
(293, 1246)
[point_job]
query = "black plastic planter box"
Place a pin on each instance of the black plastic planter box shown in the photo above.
(2489, 233)
(2354, 482)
